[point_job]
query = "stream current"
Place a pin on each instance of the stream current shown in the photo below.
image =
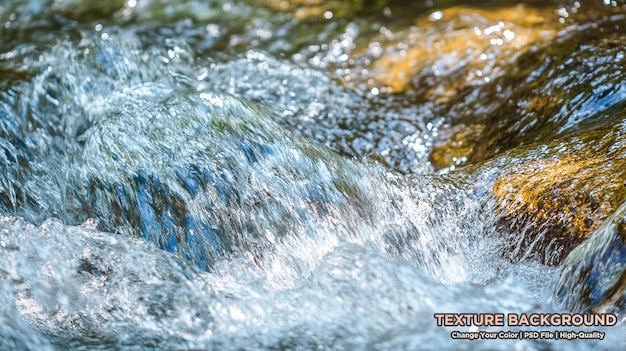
(155, 200)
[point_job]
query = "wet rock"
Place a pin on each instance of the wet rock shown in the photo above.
(454, 145)
(551, 197)
(584, 75)
(449, 51)
(490, 70)
(562, 203)
(594, 274)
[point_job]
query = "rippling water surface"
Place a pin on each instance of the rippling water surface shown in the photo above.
(219, 175)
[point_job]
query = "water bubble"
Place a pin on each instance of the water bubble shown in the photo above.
(562, 11)
(492, 29)
(508, 35)
(496, 41)
(436, 16)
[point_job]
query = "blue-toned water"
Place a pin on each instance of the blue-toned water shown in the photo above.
(171, 181)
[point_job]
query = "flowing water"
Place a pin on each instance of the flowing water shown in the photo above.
(203, 175)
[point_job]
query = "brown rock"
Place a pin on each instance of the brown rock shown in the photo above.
(458, 47)
(455, 145)
(551, 197)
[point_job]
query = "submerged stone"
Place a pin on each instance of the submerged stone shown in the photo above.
(208, 176)
(143, 147)
(205, 174)
(454, 145)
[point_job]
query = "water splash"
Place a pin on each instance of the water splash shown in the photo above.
(234, 226)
